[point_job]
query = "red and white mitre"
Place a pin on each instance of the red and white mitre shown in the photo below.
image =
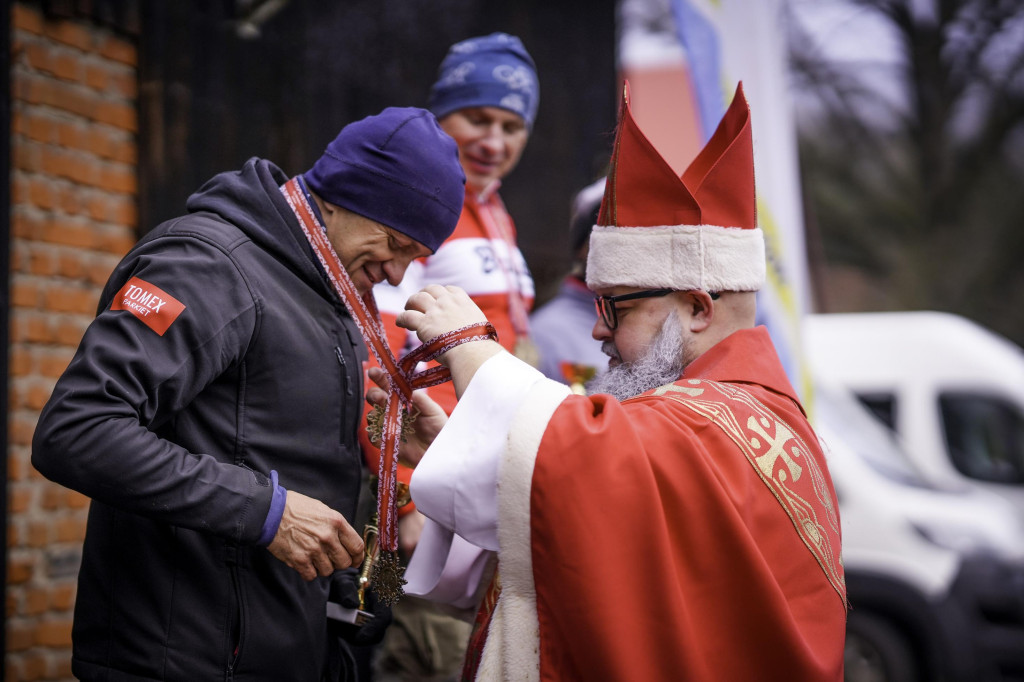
(699, 231)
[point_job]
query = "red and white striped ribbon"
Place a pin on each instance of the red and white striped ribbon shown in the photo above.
(402, 376)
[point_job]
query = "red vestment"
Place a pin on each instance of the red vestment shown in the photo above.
(691, 533)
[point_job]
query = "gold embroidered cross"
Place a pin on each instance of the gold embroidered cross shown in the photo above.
(776, 447)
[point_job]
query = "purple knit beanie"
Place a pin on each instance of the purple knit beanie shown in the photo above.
(397, 168)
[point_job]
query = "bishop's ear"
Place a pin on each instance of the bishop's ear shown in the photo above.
(702, 309)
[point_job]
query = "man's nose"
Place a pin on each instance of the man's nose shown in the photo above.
(493, 139)
(394, 270)
(601, 332)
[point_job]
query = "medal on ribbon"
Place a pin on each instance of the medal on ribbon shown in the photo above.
(386, 572)
(375, 425)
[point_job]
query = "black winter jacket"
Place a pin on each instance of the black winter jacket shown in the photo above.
(174, 437)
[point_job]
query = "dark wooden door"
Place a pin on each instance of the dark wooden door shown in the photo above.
(214, 92)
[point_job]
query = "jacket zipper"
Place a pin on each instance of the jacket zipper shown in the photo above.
(229, 674)
(346, 386)
(344, 370)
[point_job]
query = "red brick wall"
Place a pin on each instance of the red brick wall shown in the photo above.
(73, 215)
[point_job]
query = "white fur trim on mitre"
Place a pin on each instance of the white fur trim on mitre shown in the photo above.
(682, 257)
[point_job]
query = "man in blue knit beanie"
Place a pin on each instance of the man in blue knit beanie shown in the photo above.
(212, 407)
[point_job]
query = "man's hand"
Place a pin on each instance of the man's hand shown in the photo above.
(429, 418)
(314, 539)
(345, 592)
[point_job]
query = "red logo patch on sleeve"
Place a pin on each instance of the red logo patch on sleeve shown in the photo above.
(154, 306)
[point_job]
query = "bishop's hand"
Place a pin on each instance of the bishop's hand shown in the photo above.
(436, 310)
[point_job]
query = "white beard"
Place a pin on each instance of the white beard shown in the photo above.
(662, 363)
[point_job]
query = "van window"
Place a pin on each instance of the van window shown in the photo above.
(883, 405)
(985, 436)
(869, 439)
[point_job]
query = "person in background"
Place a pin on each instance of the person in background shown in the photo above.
(561, 327)
(678, 522)
(212, 408)
(486, 97)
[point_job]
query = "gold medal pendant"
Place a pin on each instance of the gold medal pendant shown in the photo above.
(526, 350)
(387, 578)
(375, 424)
(386, 581)
(381, 571)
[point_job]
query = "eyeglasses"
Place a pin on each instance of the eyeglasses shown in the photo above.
(606, 304)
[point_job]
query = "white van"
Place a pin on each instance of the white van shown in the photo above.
(952, 390)
(935, 578)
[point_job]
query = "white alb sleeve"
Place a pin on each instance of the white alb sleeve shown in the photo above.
(455, 484)
(447, 569)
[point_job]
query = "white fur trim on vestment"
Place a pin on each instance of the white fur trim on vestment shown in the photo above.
(681, 257)
(512, 650)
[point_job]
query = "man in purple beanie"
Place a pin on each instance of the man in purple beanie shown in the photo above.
(211, 411)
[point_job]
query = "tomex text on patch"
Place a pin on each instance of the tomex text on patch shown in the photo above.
(155, 307)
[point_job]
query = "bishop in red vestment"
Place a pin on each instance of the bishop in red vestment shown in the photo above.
(681, 525)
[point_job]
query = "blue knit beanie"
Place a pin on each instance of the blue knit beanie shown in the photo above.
(489, 71)
(397, 168)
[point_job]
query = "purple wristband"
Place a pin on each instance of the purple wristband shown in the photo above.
(273, 519)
